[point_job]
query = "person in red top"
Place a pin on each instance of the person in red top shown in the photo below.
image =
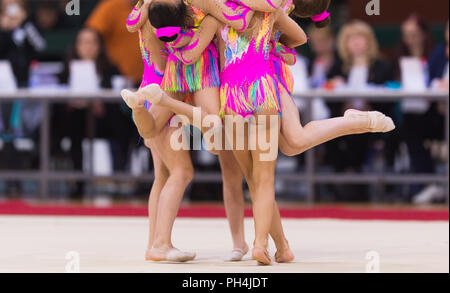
(108, 19)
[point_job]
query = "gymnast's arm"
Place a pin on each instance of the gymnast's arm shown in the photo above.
(138, 16)
(236, 13)
(230, 13)
(200, 41)
(260, 5)
(293, 35)
(183, 40)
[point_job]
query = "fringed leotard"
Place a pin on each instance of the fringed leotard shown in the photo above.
(247, 81)
(152, 72)
(203, 74)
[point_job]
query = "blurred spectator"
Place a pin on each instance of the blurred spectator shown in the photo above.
(416, 40)
(322, 43)
(109, 19)
(71, 120)
(417, 114)
(358, 48)
(359, 51)
(48, 16)
(438, 66)
(89, 45)
(19, 43)
(19, 38)
(360, 67)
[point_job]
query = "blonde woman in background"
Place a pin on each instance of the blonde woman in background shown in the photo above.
(361, 68)
(359, 50)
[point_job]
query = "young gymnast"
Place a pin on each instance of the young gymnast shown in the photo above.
(232, 176)
(200, 78)
(255, 94)
(353, 120)
(296, 139)
(173, 169)
(247, 94)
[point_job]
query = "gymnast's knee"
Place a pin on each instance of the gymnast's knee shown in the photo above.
(184, 175)
(263, 178)
(294, 147)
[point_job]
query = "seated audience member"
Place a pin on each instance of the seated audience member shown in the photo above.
(416, 114)
(70, 120)
(438, 67)
(48, 16)
(108, 19)
(322, 43)
(89, 45)
(20, 42)
(358, 49)
(361, 67)
(416, 41)
(361, 63)
(19, 38)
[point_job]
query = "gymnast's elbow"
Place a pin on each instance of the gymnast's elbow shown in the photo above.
(132, 28)
(291, 60)
(300, 41)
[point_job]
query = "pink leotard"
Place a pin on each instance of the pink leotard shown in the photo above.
(247, 82)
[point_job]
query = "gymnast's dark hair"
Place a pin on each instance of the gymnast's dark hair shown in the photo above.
(309, 8)
(164, 14)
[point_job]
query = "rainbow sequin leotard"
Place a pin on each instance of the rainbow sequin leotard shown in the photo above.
(204, 73)
(247, 82)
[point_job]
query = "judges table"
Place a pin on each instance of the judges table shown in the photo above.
(310, 176)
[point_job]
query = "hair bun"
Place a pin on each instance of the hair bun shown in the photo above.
(324, 23)
(162, 15)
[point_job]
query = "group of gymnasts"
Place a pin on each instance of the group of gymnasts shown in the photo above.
(227, 58)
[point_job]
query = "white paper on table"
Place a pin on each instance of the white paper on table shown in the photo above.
(83, 76)
(300, 72)
(100, 159)
(139, 161)
(103, 163)
(413, 79)
(118, 83)
(8, 82)
(358, 78)
(413, 74)
(301, 85)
